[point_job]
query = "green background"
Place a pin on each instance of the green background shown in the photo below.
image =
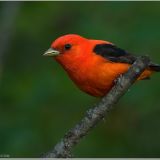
(39, 103)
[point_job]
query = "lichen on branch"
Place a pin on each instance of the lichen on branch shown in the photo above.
(95, 114)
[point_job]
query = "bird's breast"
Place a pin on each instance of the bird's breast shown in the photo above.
(95, 76)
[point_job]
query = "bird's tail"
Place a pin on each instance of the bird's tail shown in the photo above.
(151, 69)
(154, 67)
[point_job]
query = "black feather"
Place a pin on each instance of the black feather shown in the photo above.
(154, 67)
(113, 53)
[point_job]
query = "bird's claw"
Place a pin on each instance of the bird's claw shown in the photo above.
(118, 79)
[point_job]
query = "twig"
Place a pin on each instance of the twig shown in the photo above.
(95, 114)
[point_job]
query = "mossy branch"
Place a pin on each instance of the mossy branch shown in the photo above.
(95, 114)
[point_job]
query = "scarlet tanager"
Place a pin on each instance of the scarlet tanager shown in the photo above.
(93, 65)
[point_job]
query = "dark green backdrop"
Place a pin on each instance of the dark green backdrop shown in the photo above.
(39, 103)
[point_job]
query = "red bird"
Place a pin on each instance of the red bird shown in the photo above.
(93, 65)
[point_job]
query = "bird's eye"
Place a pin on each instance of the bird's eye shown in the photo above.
(67, 46)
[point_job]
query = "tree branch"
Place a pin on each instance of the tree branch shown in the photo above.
(95, 114)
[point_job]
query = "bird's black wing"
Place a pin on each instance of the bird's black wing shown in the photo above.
(113, 53)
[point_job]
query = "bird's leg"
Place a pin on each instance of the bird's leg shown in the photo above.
(118, 79)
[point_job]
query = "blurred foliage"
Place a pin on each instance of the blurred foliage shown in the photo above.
(39, 103)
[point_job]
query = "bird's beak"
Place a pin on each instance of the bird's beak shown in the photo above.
(51, 52)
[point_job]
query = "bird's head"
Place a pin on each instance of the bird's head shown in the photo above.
(66, 46)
